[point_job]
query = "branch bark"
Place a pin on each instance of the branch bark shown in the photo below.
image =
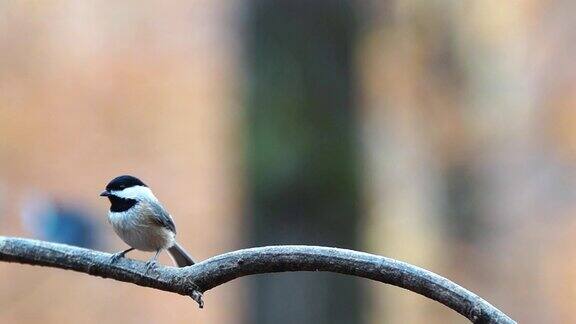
(194, 280)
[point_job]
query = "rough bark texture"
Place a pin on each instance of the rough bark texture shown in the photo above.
(194, 280)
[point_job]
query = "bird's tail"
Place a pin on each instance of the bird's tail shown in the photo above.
(180, 256)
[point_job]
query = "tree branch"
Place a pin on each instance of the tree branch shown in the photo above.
(194, 280)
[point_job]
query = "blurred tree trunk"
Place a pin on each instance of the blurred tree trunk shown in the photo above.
(301, 156)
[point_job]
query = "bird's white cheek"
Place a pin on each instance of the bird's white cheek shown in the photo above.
(136, 192)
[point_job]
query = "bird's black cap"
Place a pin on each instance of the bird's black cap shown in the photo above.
(124, 181)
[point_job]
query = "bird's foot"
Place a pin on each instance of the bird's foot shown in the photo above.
(116, 256)
(119, 255)
(151, 265)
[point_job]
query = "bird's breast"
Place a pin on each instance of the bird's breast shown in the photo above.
(137, 229)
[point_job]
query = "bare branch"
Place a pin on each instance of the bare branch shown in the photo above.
(196, 279)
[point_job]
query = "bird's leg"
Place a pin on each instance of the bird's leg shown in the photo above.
(152, 262)
(120, 254)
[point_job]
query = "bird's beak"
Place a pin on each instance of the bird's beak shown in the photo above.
(105, 193)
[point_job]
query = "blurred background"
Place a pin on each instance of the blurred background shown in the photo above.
(439, 133)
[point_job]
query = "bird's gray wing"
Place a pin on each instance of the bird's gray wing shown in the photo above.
(161, 217)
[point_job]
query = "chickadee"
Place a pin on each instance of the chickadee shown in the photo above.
(141, 221)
